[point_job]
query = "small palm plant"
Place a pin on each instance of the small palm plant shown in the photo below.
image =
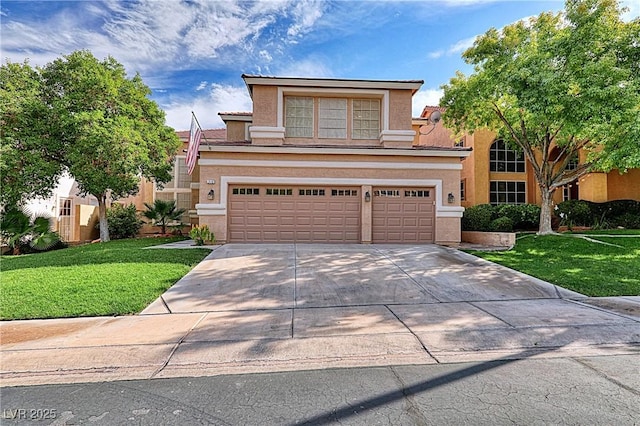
(163, 212)
(18, 229)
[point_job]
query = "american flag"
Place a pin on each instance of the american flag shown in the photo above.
(195, 133)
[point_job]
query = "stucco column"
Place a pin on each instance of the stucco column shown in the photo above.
(366, 214)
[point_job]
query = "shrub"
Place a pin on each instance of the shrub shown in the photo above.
(200, 234)
(627, 220)
(523, 216)
(123, 221)
(163, 212)
(615, 208)
(24, 233)
(502, 224)
(478, 218)
(575, 212)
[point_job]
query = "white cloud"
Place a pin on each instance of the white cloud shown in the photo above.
(461, 45)
(455, 49)
(151, 34)
(423, 98)
(220, 98)
(310, 67)
(265, 55)
(201, 86)
(305, 14)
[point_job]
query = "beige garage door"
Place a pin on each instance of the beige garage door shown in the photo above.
(403, 215)
(278, 214)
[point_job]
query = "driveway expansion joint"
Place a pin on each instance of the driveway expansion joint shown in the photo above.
(177, 345)
(606, 376)
(424, 347)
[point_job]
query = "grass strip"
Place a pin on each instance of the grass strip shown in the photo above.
(114, 278)
(575, 263)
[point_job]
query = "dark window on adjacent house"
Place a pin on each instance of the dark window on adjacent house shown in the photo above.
(507, 192)
(504, 159)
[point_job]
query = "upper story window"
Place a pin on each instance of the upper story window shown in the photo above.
(504, 159)
(366, 118)
(332, 118)
(298, 117)
(573, 163)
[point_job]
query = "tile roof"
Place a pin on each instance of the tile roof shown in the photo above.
(208, 135)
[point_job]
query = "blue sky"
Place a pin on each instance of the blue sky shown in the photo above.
(192, 53)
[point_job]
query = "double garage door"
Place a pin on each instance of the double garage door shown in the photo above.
(326, 214)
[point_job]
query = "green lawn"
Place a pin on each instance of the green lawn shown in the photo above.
(577, 264)
(114, 278)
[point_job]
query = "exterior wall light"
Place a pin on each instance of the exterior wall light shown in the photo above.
(367, 196)
(451, 198)
(211, 194)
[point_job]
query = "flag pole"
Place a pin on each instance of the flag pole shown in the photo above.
(201, 129)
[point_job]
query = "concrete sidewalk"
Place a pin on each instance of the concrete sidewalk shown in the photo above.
(273, 308)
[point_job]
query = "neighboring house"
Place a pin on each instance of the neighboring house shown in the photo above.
(496, 174)
(74, 217)
(331, 161)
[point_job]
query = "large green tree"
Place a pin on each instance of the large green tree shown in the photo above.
(101, 127)
(552, 86)
(26, 170)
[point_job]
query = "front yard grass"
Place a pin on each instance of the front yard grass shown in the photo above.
(572, 262)
(114, 278)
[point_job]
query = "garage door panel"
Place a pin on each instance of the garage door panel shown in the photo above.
(296, 213)
(402, 215)
(268, 220)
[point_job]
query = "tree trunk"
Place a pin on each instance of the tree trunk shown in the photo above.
(545, 211)
(102, 218)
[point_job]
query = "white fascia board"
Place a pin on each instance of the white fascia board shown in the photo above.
(235, 117)
(449, 211)
(211, 209)
(330, 164)
(397, 135)
(312, 83)
(258, 132)
(348, 151)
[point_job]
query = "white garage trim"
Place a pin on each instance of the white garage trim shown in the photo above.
(331, 164)
(225, 181)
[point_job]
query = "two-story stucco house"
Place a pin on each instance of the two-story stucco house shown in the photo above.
(329, 161)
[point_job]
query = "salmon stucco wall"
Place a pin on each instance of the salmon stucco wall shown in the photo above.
(447, 228)
(400, 110)
(265, 106)
(236, 131)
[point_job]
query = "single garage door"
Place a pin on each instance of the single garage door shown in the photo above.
(279, 214)
(403, 215)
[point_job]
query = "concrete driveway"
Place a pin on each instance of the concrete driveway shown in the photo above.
(250, 308)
